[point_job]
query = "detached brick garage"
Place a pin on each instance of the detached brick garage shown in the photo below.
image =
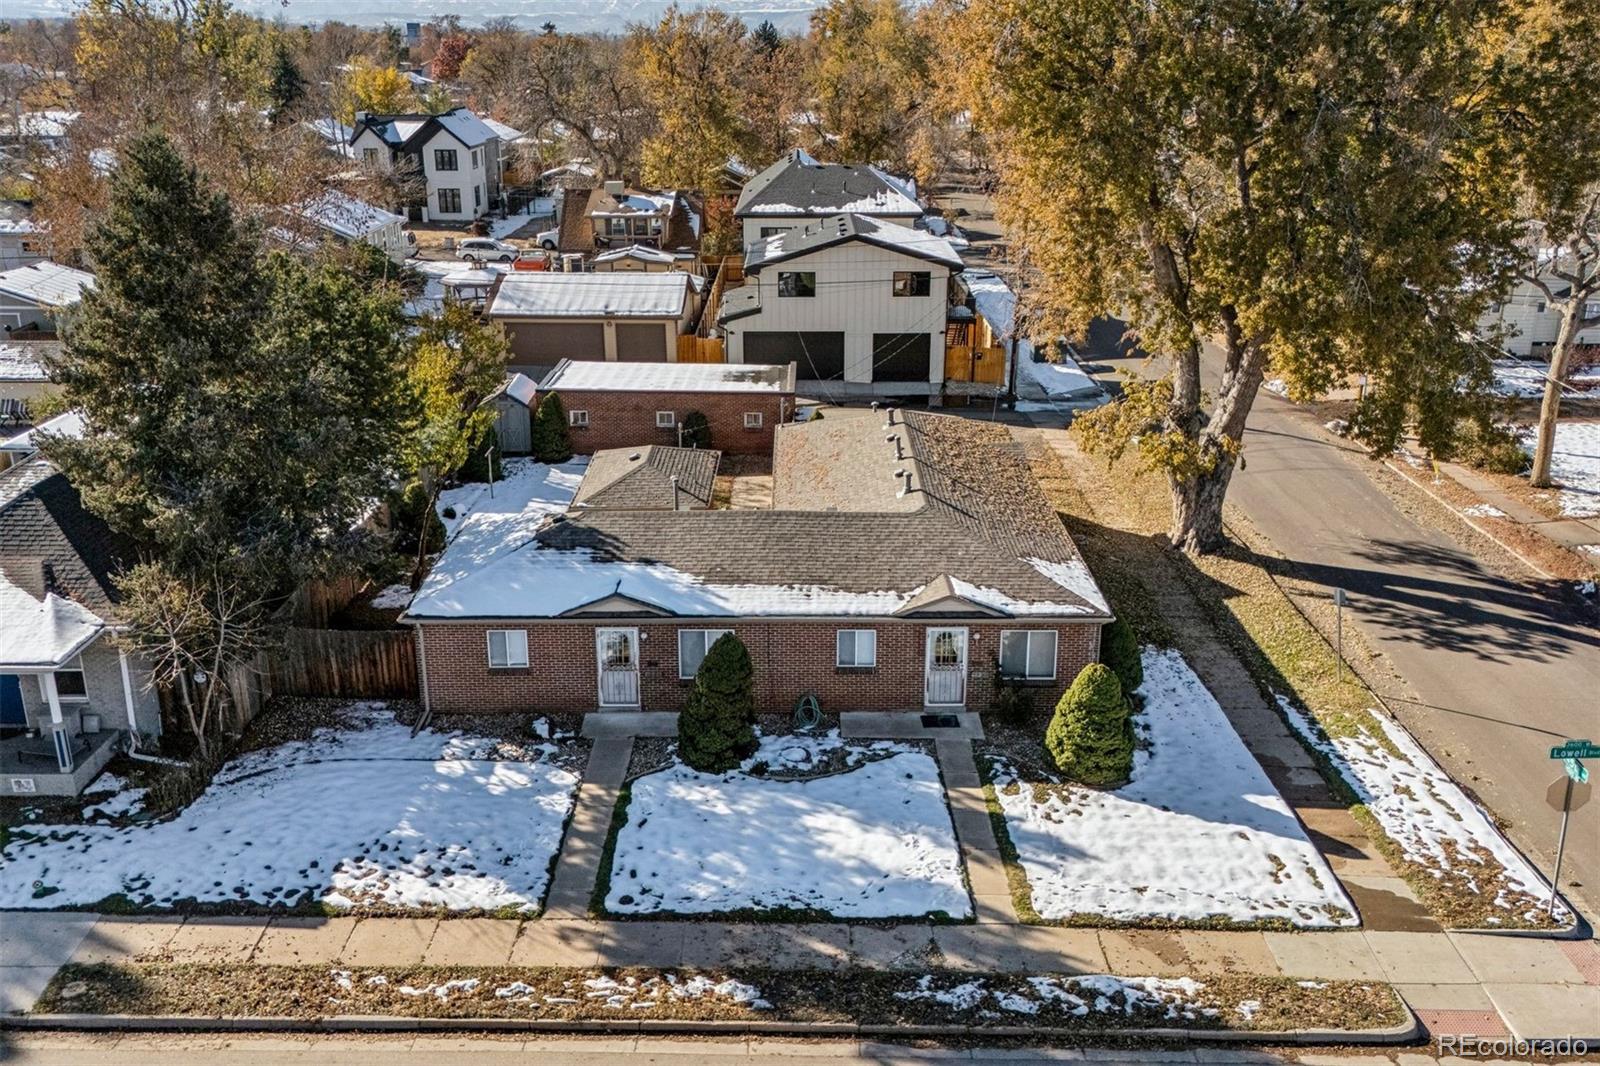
(626, 405)
(906, 559)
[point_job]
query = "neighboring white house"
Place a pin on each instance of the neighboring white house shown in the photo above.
(21, 242)
(32, 295)
(349, 219)
(622, 317)
(456, 154)
(1529, 325)
(797, 191)
(858, 303)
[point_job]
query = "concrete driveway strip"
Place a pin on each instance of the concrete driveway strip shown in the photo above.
(1501, 670)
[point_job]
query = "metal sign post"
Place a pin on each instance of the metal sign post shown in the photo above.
(1339, 601)
(1566, 794)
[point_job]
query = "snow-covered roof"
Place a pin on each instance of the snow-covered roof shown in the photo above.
(418, 81)
(644, 253)
(636, 203)
(45, 283)
(66, 424)
(521, 388)
(545, 294)
(345, 215)
(17, 225)
(41, 124)
(500, 129)
(329, 129)
(993, 299)
(40, 634)
(25, 360)
(592, 375)
(471, 276)
(841, 229)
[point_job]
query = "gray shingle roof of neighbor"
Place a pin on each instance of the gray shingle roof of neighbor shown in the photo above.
(844, 229)
(50, 543)
(973, 521)
(799, 185)
(641, 478)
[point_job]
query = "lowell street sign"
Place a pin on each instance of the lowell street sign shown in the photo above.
(1576, 749)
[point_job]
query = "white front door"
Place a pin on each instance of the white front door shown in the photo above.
(947, 668)
(616, 652)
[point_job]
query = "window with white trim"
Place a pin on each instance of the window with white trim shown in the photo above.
(666, 419)
(692, 647)
(70, 683)
(578, 418)
(1028, 654)
(752, 420)
(856, 647)
(508, 648)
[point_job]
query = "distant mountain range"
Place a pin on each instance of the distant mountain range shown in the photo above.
(573, 16)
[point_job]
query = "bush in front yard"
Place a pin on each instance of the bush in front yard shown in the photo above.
(714, 729)
(550, 442)
(696, 430)
(1090, 739)
(1119, 649)
(1489, 447)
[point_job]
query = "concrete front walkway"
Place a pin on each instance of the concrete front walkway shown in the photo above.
(578, 864)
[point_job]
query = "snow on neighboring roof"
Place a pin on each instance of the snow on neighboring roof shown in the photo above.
(66, 424)
(38, 634)
(592, 375)
(644, 252)
(840, 229)
(17, 225)
(521, 388)
(45, 283)
(799, 185)
(500, 129)
(418, 81)
(637, 203)
(467, 127)
(472, 276)
(544, 294)
(580, 167)
(23, 360)
(329, 129)
(993, 299)
(41, 124)
(345, 215)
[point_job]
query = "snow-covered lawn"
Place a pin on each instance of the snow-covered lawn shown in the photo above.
(1198, 833)
(1526, 380)
(1043, 386)
(1574, 465)
(360, 815)
(1428, 816)
(874, 841)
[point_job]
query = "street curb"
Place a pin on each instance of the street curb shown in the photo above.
(1405, 1033)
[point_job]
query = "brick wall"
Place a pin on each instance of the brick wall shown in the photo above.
(628, 419)
(791, 658)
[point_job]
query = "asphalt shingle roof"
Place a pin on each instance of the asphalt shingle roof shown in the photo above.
(45, 532)
(799, 185)
(641, 478)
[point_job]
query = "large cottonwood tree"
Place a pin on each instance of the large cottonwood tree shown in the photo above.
(1314, 187)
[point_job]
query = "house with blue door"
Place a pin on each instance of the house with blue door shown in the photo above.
(70, 697)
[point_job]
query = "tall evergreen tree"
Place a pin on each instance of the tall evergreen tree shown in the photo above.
(285, 85)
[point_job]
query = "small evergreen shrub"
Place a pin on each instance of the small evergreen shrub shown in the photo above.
(1489, 447)
(1119, 649)
(550, 441)
(714, 728)
(478, 466)
(1013, 704)
(696, 430)
(411, 517)
(1090, 738)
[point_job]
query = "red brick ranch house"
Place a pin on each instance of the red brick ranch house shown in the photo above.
(905, 557)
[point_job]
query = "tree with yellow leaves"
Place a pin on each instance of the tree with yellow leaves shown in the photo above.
(689, 66)
(380, 90)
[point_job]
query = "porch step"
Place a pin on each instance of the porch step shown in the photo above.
(630, 724)
(909, 725)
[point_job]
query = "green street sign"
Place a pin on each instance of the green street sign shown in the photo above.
(1576, 749)
(1576, 770)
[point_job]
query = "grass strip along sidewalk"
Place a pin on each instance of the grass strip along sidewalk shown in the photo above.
(1272, 620)
(1224, 1004)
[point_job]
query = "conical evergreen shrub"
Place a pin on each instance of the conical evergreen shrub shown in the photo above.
(550, 441)
(1090, 738)
(714, 728)
(1119, 649)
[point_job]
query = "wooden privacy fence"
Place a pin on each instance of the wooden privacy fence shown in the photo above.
(967, 363)
(692, 349)
(349, 663)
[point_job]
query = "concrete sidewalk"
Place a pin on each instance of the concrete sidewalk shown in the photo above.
(1459, 983)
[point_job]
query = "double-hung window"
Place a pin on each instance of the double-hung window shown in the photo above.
(752, 420)
(692, 647)
(1028, 654)
(856, 648)
(797, 283)
(666, 419)
(508, 648)
(445, 159)
(578, 419)
(369, 157)
(449, 201)
(912, 282)
(474, 159)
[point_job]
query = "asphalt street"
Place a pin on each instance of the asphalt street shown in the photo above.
(1500, 670)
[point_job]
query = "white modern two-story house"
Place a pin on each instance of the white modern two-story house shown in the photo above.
(456, 154)
(857, 303)
(798, 191)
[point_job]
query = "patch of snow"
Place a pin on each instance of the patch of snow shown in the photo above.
(873, 842)
(1277, 386)
(397, 595)
(1574, 465)
(485, 526)
(1526, 380)
(1199, 832)
(1172, 998)
(444, 990)
(357, 814)
(1064, 380)
(1417, 803)
(1483, 510)
(1248, 1008)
